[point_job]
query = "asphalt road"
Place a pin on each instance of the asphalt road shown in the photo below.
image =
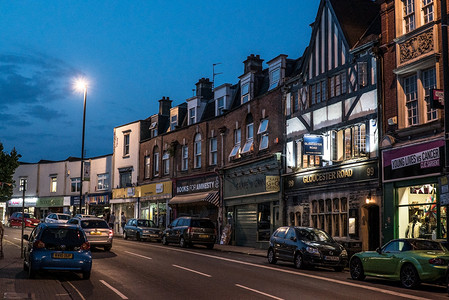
(148, 270)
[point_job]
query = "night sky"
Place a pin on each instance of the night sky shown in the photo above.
(132, 53)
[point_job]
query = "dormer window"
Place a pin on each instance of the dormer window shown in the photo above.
(245, 92)
(275, 77)
(153, 129)
(192, 116)
(220, 106)
(173, 122)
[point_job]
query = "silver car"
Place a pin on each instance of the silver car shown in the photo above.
(57, 218)
(97, 231)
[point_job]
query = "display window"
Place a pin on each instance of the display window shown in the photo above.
(331, 215)
(419, 215)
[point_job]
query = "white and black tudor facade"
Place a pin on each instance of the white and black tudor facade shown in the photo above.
(332, 174)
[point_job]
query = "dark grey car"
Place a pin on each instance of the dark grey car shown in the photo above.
(187, 231)
(142, 229)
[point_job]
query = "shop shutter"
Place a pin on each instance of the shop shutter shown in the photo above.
(246, 225)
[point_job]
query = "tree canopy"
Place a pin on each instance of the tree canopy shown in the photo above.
(8, 165)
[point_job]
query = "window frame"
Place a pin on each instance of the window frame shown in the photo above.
(185, 158)
(103, 181)
(126, 141)
(166, 163)
(197, 151)
(147, 167)
(75, 184)
(213, 150)
(53, 184)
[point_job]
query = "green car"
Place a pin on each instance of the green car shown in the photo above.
(410, 261)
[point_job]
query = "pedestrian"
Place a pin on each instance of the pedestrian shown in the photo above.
(112, 220)
(123, 221)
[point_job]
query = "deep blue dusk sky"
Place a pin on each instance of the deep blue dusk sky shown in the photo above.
(133, 53)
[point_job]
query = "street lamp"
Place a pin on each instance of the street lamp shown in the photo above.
(81, 85)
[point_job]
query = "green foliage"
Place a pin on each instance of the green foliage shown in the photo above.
(8, 165)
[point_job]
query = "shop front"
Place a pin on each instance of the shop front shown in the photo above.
(15, 204)
(196, 196)
(75, 204)
(343, 201)
(154, 199)
(3, 212)
(124, 200)
(46, 205)
(252, 202)
(98, 204)
(411, 186)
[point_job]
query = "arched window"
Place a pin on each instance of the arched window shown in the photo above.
(197, 150)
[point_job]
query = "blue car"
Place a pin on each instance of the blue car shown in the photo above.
(57, 247)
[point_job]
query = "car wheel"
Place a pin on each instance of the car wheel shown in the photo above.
(299, 262)
(339, 269)
(356, 269)
(409, 276)
(31, 272)
(138, 237)
(86, 275)
(107, 248)
(271, 256)
(125, 235)
(210, 246)
(164, 240)
(182, 242)
(8, 224)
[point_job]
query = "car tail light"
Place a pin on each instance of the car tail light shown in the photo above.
(189, 231)
(85, 246)
(38, 244)
(111, 233)
(437, 261)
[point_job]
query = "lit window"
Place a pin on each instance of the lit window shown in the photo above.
(275, 76)
(53, 184)
(249, 138)
(198, 150)
(147, 169)
(245, 93)
(126, 144)
(213, 151)
(237, 140)
(75, 184)
(103, 182)
(362, 73)
(185, 157)
(166, 162)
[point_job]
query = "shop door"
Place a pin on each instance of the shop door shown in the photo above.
(373, 227)
(246, 225)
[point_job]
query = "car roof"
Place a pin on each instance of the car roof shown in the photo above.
(58, 225)
(88, 218)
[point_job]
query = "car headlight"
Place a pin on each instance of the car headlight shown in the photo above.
(312, 250)
(344, 252)
(29, 221)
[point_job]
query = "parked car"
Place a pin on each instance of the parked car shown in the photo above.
(58, 247)
(84, 216)
(97, 231)
(16, 220)
(306, 246)
(57, 218)
(142, 229)
(410, 261)
(187, 231)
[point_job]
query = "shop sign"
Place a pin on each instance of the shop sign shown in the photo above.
(346, 174)
(313, 144)
(75, 200)
(50, 202)
(86, 171)
(196, 185)
(17, 202)
(272, 183)
(102, 199)
(443, 184)
(160, 190)
(412, 161)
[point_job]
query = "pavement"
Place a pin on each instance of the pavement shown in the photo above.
(15, 285)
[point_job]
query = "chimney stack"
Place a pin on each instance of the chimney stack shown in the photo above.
(253, 63)
(204, 89)
(164, 106)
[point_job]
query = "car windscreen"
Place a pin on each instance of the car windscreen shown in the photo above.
(63, 217)
(145, 223)
(426, 245)
(62, 236)
(202, 223)
(314, 235)
(28, 216)
(94, 224)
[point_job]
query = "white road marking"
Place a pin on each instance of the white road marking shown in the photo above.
(13, 244)
(79, 293)
(379, 290)
(18, 239)
(138, 255)
(207, 275)
(113, 289)
(259, 292)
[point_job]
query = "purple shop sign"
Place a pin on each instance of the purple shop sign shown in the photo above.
(413, 161)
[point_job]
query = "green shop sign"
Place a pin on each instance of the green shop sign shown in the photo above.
(50, 202)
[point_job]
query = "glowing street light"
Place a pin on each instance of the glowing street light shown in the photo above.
(81, 85)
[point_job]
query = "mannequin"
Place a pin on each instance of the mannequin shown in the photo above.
(413, 228)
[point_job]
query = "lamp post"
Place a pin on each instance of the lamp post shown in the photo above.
(82, 85)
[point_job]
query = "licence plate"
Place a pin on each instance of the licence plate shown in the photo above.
(62, 255)
(95, 233)
(332, 258)
(203, 236)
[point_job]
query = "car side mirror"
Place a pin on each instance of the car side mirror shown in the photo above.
(26, 237)
(378, 250)
(169, 226)
(293, 238)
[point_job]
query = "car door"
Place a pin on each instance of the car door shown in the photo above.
(133, 228)
(29, 244)
(289, 245)
(169, 233)
(179, 229)
(385, 262)
(279, 241)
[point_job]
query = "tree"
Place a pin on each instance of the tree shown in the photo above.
(8, 165)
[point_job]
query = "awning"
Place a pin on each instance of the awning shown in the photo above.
(212, 198)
